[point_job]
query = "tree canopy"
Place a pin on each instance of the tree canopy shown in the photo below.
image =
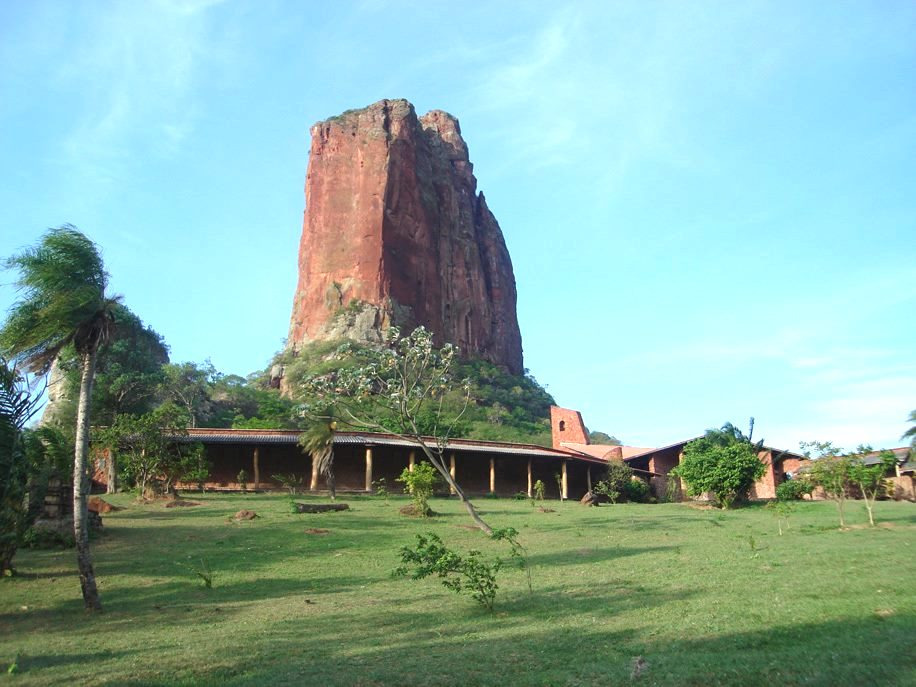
(723, 462)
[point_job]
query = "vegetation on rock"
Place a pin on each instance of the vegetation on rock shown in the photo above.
(503, 406)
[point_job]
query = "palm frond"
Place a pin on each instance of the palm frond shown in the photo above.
(61, 284)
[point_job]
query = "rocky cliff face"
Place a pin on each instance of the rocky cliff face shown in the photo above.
(396, 233)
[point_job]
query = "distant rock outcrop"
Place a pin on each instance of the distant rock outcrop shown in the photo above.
(395, 232)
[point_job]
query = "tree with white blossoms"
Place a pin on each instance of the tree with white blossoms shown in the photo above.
(399, 388)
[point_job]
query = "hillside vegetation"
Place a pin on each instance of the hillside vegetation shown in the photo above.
(504, 407)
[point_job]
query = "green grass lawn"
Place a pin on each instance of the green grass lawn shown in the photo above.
(704, 597)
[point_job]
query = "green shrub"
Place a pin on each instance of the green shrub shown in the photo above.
(539, 490)
(724, 466)
(637, 491)
(291, 481)
(380, 487)
(242, 479)
(618, 478)
(469, 573)
(793, 490)
(420, 483)
(605, 489)
(47, 538)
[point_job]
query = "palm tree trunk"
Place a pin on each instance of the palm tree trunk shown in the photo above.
(81, 488)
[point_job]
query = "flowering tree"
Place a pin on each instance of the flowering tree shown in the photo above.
(400, 388)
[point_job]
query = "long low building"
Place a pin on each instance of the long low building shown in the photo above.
(363, 459)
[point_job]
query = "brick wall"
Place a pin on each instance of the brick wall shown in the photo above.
(567, 425)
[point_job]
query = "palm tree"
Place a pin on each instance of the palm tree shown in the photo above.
(62, 284)
(911, 432)
(318, 440)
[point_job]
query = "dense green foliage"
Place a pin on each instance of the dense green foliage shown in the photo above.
(678, 586)
(150, 452)
(17, 406)
(503, 407)
(723, 462)
(616, 481)
(129, 370)
(619, 483)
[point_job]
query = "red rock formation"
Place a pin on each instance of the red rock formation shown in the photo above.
(396, 233)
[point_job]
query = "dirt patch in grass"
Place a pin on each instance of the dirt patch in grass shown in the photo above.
(542, 509)
(98, 505)
(245, 515)
(180, 503)
(317, 530)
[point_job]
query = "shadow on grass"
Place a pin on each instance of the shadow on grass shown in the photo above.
(413, 650)
(28, 663)
(589, 554)
(168, 601)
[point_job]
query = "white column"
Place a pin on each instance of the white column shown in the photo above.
(257, 469)
(368, 468)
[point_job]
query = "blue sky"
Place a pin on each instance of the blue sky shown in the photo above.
(710, 206)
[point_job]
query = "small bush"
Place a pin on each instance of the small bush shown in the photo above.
(672, 489)
(793, 490)
(203, 572)
(539, 490)
(636, 491)
(469, 573)
(420, 483)
(47, 538)
(242, 479)
(380, 487)
(291, 482)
